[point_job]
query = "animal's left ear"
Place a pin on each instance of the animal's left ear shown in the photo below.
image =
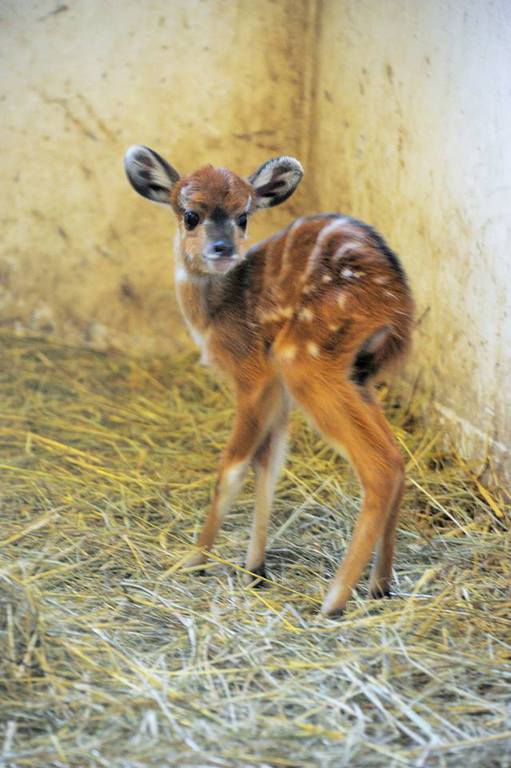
(276, 180)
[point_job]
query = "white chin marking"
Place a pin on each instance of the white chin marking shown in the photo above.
(221, 266)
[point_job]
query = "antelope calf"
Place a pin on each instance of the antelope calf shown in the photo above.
(313, 314)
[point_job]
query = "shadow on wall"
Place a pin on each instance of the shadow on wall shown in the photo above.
(399, 112)
(419, 132)
(218, 82)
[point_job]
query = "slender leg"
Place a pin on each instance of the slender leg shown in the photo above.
(354, 424)
(267, 463)
(381, 572)
(254, 415)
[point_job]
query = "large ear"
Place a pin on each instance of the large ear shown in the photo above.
(276, 180)
(149, 173)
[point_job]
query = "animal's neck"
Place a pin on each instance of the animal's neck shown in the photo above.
(201, 296)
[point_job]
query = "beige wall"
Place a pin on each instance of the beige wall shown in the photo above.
(400, 110)
(412, 126)
(215, 81)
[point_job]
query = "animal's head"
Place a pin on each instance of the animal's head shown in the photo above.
(212, 205)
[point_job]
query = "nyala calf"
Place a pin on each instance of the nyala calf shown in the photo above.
(312, 315)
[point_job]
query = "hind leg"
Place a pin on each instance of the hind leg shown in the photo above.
(353, 424)
(381, 572)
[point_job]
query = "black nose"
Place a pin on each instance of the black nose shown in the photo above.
(222, 249)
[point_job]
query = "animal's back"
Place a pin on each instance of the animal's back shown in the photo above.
(328, 287)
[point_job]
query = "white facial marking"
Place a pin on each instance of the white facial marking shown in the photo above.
(347, 273)
(381, 279)
(177, 241)
(326, 279)
(181, 275)
(183, 195)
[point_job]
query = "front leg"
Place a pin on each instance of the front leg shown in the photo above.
(268, 461)
(254, 415)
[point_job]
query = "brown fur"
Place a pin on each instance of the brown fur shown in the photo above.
(315, 313)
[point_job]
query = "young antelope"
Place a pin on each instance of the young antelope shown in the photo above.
(314, 314)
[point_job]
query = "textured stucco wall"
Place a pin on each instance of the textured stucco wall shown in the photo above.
(400, 111)
(412, 119)
(200, 80)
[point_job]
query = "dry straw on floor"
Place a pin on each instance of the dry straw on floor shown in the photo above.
(111, 656)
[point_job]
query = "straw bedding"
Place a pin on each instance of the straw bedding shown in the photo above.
(111, 656)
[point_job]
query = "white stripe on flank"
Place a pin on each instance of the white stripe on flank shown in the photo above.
(334, 226)
(287, 242)
(345, 248)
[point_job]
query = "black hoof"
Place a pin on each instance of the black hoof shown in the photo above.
(259, 576)
(338, 613)
(379, 594)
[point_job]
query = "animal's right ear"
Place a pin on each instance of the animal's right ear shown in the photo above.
(150, 174)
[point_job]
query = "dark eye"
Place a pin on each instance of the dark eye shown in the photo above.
(242, 221)
(191, 219)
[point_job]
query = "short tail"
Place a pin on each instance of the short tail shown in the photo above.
(383, 350)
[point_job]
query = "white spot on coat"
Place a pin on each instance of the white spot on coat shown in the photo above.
(288, 353)
(306, 314)
(312, 349)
